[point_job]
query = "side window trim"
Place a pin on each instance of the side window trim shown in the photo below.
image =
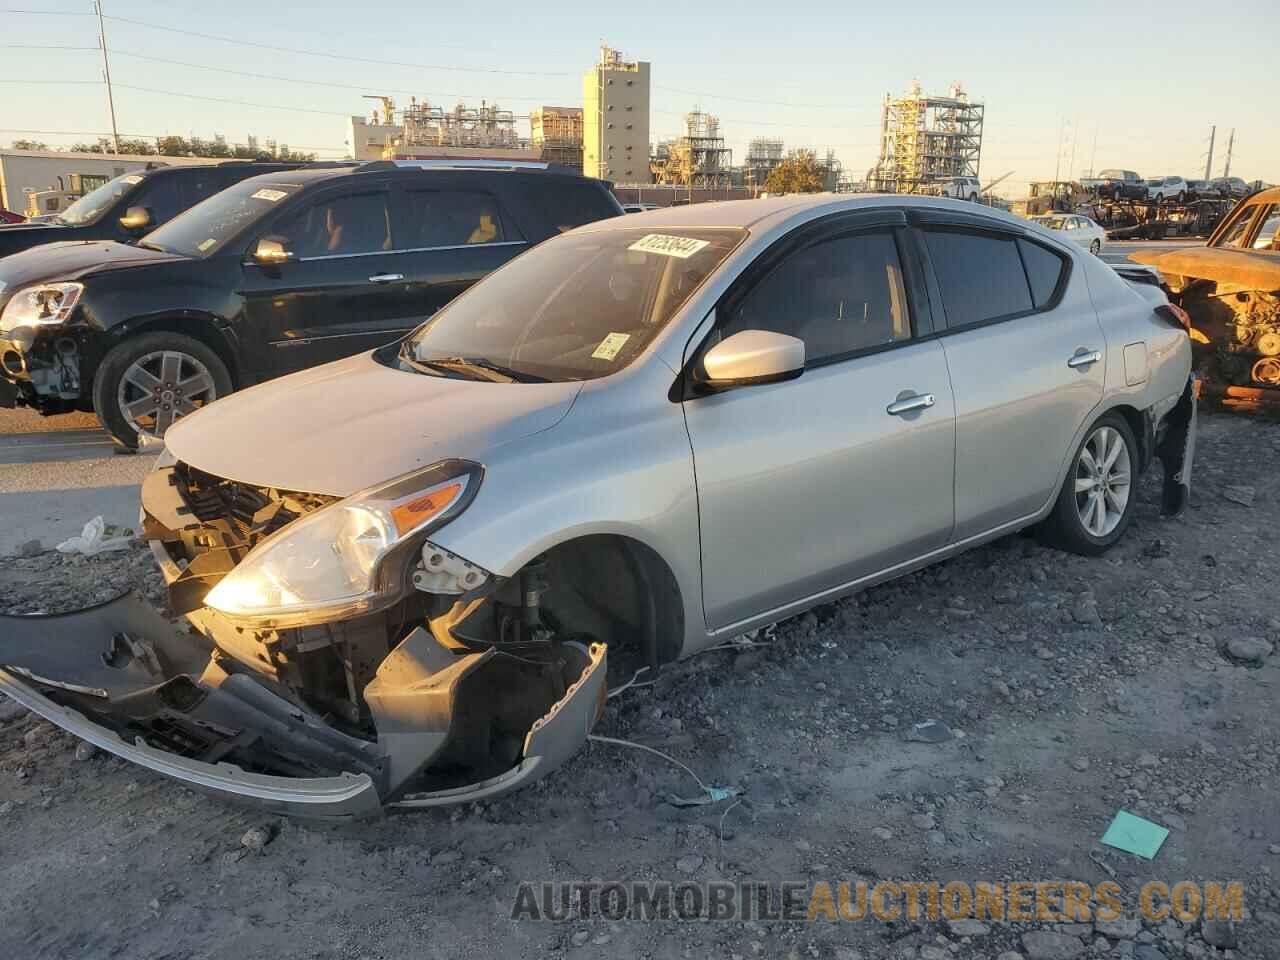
(944, 327)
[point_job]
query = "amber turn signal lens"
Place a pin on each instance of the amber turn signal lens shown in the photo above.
(415, 512)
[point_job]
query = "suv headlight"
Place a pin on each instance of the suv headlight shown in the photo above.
(348, 558)
(45, 303)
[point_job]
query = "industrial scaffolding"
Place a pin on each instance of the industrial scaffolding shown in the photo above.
(698, 159)
(557, 133)
(927, 140)
(432, 126)
(763, 155)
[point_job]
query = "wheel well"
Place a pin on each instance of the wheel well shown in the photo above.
(198, 328)
(621, 591)
(1143, 431)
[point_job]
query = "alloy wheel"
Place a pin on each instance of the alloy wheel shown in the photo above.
(160, 387)
(1102, 481)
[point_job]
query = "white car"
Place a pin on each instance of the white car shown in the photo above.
(962, 188)
(1160, 189)
(1076, 227)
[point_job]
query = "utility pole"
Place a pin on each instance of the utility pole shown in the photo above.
(1093, 156)
(1208, 164)
(1231, 142)
(1075, 135)
(1057, 160)
(106, 69)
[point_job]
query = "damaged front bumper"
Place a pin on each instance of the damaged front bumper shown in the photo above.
(165, 697)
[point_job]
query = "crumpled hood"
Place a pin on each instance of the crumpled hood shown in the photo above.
(74, 260)
(353, 423)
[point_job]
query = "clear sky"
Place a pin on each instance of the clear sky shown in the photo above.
(1144, 81)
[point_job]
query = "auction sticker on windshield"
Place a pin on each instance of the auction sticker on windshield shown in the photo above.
(272, 195)
(669, 246)
(610, 345)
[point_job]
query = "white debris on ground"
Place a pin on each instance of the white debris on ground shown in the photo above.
(1147, 680)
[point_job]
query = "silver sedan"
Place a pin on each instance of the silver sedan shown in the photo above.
(409, 571)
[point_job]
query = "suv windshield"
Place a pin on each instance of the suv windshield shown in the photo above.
(576, 307)
(91, 206)
(202, 230)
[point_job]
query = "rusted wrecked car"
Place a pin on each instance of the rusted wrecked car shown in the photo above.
(1231, 289)
(400, 572)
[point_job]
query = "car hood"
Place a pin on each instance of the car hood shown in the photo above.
(75, 260)
(1257, 269)
(354, 423)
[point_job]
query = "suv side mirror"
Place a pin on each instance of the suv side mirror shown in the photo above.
(269, 252)
(136, 218)
(752, 357)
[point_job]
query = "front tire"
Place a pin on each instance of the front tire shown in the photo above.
(1096, 247)
(146, 383)
(1182, 198)
(1095, 504)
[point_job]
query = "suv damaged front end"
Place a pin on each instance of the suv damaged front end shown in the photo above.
(333, 660)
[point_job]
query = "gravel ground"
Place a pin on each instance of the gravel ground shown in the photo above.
(1074, 687)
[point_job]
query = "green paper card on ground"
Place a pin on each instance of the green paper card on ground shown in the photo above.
(1135, 835)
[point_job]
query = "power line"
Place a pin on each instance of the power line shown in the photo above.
(338, 56)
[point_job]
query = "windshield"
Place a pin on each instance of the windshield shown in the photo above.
(92, 205)
(576, 307)
(206, 227)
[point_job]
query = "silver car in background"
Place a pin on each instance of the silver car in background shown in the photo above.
(406, 573)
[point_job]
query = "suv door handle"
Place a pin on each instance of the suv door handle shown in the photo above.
(920, 401)
(1084, 358)
(386, 277)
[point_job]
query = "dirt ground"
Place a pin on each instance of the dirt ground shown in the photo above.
(1074, 687)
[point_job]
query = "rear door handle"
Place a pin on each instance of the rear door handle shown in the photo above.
(921, 401)
(1084, 358)
(386, 277)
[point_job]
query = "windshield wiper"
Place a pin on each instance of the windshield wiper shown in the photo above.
(508, 374)
(148, 245)
(479, 367)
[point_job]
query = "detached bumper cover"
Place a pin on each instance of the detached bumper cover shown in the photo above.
(123, 678)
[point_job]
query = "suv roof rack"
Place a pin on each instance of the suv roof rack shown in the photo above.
(372, 166)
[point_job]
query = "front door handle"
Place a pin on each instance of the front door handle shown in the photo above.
(920, 401)
(386, 277)
(1084, 358)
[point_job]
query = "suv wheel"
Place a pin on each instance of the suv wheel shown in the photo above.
(1096, 501)
(146, 383)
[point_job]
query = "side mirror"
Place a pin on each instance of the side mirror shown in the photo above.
(752, 357)
(136, 218)
(270, 252)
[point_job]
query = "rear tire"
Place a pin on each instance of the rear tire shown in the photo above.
(1095, 504)
(147, 382)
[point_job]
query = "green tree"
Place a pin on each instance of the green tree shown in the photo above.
(800, 172)
(29, 145)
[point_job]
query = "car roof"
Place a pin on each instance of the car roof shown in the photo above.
(309, 174)
(760, 214)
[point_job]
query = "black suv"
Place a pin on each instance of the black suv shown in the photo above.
(125, 208)
(277, 273)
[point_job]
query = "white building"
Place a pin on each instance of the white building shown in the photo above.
(615, 119)
(23, 172)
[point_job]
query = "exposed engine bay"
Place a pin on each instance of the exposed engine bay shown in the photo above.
(1233, 300)
(468, 686)
(1238, 328)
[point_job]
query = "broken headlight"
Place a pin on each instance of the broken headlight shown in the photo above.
(45, 303)
(348, 558)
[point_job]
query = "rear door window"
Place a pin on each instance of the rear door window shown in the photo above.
(567, 204)
(980, 275)
(454, 218)
(338, 225)
(1045, 271)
